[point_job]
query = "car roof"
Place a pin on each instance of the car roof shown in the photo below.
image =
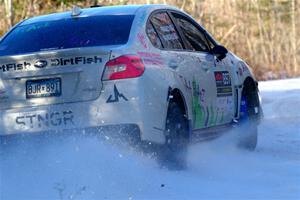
(96, 11)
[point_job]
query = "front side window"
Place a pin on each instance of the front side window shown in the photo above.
(67, 33)
(195, 38)
(166, 31)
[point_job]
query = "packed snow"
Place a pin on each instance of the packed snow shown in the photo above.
(87, 167)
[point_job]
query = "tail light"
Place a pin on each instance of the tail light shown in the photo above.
(128, 66)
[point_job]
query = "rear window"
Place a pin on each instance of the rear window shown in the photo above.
(67, 33)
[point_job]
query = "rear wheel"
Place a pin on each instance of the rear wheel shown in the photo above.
(174, 152)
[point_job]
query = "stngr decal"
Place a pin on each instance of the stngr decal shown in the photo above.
(51, 119)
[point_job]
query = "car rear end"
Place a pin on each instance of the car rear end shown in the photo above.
(59, 74)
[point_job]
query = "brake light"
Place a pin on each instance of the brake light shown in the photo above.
(128, 66)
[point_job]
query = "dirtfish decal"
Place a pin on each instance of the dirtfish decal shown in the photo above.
(78, 60)
(75, 61)
(15, 66)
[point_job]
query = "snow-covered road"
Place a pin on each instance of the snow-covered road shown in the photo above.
(85, 168)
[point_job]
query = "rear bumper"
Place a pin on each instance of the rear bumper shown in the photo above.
(102, 112)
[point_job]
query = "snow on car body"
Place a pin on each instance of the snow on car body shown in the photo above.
(117, 65)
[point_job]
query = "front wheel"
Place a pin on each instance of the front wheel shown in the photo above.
(249, 114)
(174, 152)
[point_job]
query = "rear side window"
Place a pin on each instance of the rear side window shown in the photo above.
(195, 38)
(68, 33)
(166, 31)
(152, 35)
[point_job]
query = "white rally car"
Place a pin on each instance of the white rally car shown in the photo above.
(151, 68)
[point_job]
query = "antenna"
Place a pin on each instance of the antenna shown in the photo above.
(76, 11)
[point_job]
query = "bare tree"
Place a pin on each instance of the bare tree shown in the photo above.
(9, 12)
(294, 39)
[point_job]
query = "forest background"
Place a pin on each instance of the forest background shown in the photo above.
(265, 33)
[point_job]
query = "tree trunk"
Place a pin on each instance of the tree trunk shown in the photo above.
(294, 40)
(9, 12)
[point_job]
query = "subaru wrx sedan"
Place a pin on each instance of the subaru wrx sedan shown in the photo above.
(150, 68)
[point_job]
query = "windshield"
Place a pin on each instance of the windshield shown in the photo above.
(67, 33)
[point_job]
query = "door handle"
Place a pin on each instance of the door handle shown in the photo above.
(173, 65)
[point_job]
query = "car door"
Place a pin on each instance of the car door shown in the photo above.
(201, 74)
(225, 76)
(226, 95)
(219, 97)
(191, 69)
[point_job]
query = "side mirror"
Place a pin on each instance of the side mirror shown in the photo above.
(219, 51)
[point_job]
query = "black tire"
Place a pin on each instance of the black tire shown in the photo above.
(173, 154)
(248, 127)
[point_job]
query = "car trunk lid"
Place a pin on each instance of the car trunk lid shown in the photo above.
(53, 77)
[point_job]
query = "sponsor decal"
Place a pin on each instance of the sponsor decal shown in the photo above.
(116, 96)
(76, 61)
(167, 28)
(51, 119)
(151, 58)
(14, 66)
(22, 66)
(170, 37)
(223, 83)
(224, 90)
(141, 38)
(199, 106)
(205, 113)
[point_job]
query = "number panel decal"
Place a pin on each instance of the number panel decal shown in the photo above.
(223, 83)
